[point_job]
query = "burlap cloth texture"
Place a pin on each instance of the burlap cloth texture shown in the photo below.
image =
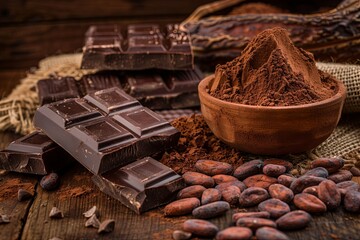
(17, 109)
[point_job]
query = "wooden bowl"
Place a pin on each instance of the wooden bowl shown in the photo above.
(271, 130)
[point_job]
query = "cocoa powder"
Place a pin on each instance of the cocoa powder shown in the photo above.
(271, 71)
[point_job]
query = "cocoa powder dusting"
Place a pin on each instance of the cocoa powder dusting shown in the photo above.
(271, 71)
(198, 142)
(9, 188)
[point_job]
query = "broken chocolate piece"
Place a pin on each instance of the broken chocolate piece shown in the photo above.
(4, 218)
(106, 129)
(141, 185)
(93, 221)
(91, 211)
(24, 195)
(56, 213)
(107, 226)
(138, 46)
(34, 153)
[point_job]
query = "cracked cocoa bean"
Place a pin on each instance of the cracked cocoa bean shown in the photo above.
(275, 207)
(211, 168)
(341, 176)
(318, 172)
(181, 207)
(255, 223)
(211, 210)
(273, 170)
(331, 164)
(248, 169)
(236, 183)
(281, 192)
(222, 178)
(352, 201)
(195, 178)
(192, 191)
(253, 196)
(210, 195)
(231, 195)
(303, 182)
(309, 203)
(277, 161)
(234, 233)
(260, 180)
(237, 216)
(269, 233)
(285, 180)
(294, 220)
(200, 227)
(329, 194)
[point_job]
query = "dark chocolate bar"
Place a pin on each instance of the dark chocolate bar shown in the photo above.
(135, 47)
(105, 129)
(156, 89)
(141, 185)
(34, 153)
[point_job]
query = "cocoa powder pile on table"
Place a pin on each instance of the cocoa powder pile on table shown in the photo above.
(198, 142)
(271, 71)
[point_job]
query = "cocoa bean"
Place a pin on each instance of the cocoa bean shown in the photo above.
(255, 223)
(181, 235)
(275, 207)
(346, 186)
(192, 191)
(181, 207)
(331, 164)
(281, 192)
(294, 220)
(269, 233)
(211, 168)
(352, 201)
(210, 195)
(239, 215)
(309, 203)
(341, 176)
(288, 165)
(253, 196)
(211, 210)
(195, 178)
(318, 172)
(248, 169)
(355, 171)
(200, 227)
(231, 194)
(299, 184)
(222, 178)
(311, 190)
(259, 180)
(273, 170)
(236, 183)
(285, 180)
(329, 194)
(234, 233)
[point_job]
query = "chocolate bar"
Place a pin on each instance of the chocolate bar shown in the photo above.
(34, 153)
(136, 47)
(105, 129)
(156, 89)
(141, 185)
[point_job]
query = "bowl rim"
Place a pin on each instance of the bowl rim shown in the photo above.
(340, 95)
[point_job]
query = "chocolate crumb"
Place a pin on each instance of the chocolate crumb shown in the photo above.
(107, 226)
(56, 213)
(93, 221)
(4, 219)
(92, 211)
(24, 195)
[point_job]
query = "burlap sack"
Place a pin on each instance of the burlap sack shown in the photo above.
(17, 109)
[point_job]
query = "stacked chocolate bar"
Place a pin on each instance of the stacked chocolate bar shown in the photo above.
(102, 120)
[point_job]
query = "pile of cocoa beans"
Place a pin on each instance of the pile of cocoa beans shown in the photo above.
(215, 187)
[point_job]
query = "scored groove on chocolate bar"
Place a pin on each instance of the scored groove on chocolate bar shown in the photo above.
(105, 129)
(137, 46)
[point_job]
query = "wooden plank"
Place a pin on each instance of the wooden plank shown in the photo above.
(23, 46)
(17, 11)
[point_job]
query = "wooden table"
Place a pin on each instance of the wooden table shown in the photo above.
(30, 220)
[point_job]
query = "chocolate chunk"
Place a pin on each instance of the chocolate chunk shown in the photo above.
(24, 195)
(141, 185)
(107, 226)
(91, 211)
(105, 129)
(34, 153)
(93, 221)
(135, 47)
(50, 181)
(4, 219)
(55, 89)
(56, 213)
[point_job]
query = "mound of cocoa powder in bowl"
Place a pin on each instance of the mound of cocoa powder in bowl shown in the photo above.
(271, 71)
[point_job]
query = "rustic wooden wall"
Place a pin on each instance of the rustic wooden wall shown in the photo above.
(33, 29)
